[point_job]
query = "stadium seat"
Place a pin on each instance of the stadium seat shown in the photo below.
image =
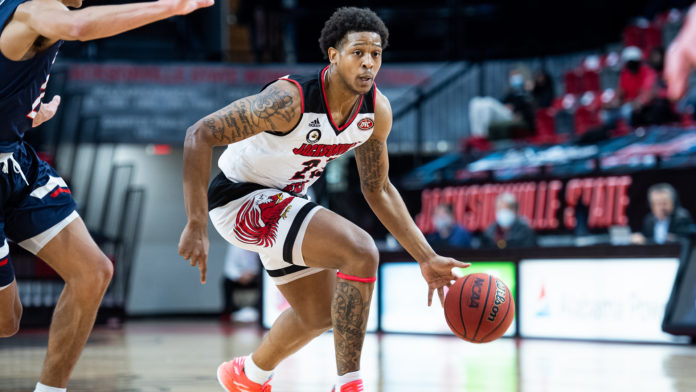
(545, 126)
(609, 78)
(590, 81)
(633, 36)
(565, 123)
(652, 36)
(586, 118)
(573, 82)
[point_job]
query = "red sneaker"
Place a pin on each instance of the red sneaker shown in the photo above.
(353, 386)
(231, 377)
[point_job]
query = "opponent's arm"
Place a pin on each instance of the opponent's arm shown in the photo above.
(277, 108)
(386, 202)
(52, 20)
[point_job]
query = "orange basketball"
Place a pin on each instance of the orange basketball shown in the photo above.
(479, 308)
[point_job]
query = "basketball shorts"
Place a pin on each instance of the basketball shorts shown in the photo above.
(264, 220)
(36, 205)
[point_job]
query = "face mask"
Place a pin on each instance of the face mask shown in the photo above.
(442, 223)
(505, 218)
(517, 81)
(633, 66)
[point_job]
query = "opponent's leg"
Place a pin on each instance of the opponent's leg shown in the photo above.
(87, 272)
(10, 310)
(10, 306)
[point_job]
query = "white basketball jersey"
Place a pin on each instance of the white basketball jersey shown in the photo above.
(293, 161)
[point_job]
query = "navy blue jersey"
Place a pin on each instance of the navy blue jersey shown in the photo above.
(22, 85)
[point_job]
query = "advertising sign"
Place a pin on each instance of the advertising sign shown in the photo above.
(404, 297)
(604, 299)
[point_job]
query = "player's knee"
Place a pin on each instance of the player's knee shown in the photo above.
(97, 279)
(10, 325)
(363, 258)
(106, 271)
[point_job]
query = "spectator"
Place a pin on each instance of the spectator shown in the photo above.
(656, 61)
(659, 109)
(667, 221)
(241, 271)
(448, 233)
(509, 229)
(543, 91)
(635, 89)
(513, 116)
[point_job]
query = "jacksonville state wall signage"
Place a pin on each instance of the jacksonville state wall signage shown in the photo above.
(547, 205)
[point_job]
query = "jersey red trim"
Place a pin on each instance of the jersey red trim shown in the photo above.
(374, 97)
(301, 93)
(328, 109)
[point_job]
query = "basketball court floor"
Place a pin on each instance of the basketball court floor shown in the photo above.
(181, 356)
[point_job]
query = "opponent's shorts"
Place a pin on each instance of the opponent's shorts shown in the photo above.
(264, 220)
(36, 205)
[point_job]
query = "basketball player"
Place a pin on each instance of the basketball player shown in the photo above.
(37, 210)
(681, 57)
(279, 142)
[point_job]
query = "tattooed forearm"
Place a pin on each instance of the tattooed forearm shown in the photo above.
(349, 312)
(249, 116)
(370, 166)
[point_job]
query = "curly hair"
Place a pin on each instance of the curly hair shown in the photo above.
(348, 20)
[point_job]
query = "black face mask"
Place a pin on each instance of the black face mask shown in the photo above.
(633, 66)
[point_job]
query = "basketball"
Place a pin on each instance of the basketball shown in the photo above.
(479, 308)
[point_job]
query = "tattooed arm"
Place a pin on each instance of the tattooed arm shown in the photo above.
(386, 202)
(277, 108)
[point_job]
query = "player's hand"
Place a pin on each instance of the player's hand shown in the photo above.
(46, 111)
(183, 7)
(438, 273)
(680, 58)
(194, 246)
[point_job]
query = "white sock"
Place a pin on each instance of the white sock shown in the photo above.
(254, 372)
(45, 388)
(346, 378)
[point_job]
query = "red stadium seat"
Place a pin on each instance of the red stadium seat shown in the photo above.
(652, 36)
(573, 82)
(590, 81)
(633, 36)
(545, 127)
(586, 118)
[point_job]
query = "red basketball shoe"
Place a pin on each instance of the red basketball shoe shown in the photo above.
(353, 386)
(231, 376)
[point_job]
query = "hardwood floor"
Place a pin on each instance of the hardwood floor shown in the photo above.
(181, 356)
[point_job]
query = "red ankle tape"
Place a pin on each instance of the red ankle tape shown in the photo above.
(355, 278)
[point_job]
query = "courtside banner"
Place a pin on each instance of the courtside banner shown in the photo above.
(598, 299)
(404, 297)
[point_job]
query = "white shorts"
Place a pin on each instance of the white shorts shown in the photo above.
(268, 221)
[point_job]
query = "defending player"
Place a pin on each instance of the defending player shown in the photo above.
(37, 209)
(280, 141)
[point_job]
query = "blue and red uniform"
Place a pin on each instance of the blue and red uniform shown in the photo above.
(35, 203)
